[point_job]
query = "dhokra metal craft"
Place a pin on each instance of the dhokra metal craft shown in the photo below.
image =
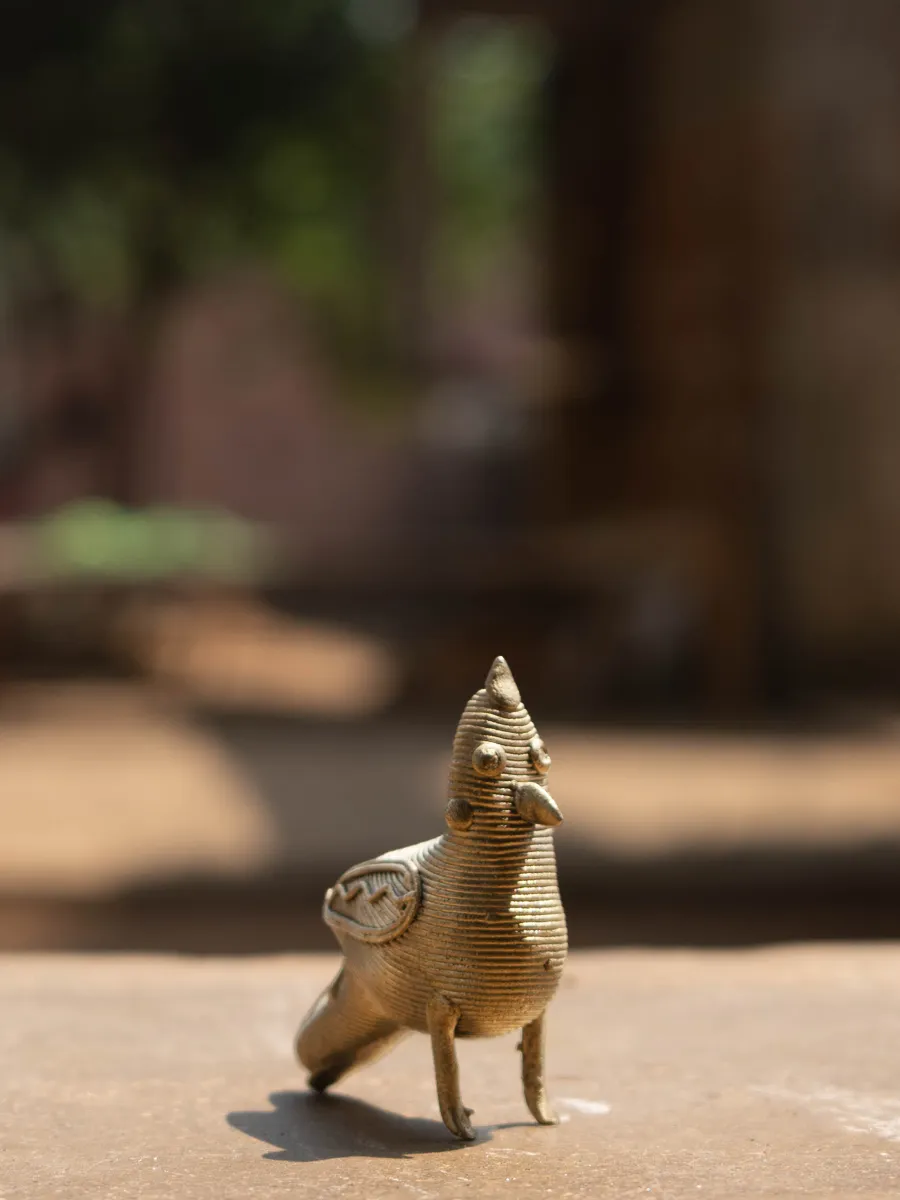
(462, 936)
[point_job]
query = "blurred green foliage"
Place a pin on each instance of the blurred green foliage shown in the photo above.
(99, 540)
(487, 137)
(146, 141)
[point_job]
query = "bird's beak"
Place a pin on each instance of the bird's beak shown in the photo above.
(535, 803)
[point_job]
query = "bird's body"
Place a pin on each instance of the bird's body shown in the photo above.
(460, 936)
(487, 934)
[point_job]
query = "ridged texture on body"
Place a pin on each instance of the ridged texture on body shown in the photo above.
(490, 935)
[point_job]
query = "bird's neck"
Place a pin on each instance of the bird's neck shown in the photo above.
(500, 841)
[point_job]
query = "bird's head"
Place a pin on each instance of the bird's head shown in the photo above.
(500, 763)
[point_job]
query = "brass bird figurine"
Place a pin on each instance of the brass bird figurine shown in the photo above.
(462, 936)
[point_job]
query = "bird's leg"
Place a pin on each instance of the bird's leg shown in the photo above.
(532, 1047)
(443, 1018)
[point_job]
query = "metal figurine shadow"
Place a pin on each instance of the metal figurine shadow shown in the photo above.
(305, 1127)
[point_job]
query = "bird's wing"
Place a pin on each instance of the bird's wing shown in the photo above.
(375, 901)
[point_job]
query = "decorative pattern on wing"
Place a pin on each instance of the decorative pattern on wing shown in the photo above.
(373, 902)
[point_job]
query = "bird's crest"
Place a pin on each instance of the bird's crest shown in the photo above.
(501, 687)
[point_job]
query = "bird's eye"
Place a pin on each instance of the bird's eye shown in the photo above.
(489, 759)
(539, 756)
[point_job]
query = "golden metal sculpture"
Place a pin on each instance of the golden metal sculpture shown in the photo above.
(462, 936)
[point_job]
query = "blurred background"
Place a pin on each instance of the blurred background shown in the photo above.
(345, 344)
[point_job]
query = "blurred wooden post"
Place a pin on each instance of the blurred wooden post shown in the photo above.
(657, 260)
(590, 146)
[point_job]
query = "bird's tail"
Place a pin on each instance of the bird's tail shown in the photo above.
(341, 1031)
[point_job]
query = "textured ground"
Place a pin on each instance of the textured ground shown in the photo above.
(741, 1074)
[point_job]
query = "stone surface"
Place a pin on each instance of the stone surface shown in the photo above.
(760, 1074)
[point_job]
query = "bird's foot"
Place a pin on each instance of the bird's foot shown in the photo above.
(456, 1118)
(540, 1108)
